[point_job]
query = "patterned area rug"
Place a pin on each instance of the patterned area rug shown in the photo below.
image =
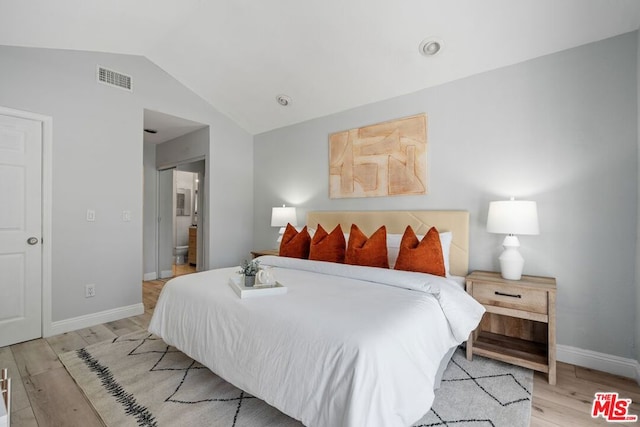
(138, 380)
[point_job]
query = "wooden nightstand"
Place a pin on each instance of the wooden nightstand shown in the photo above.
(256, 254)
(519, 326)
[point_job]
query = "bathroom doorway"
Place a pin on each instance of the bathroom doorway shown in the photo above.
(180, 214)
(171, 145)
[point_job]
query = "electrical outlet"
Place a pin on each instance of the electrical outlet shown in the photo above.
(91, 215)
(126, 216)
(89, 290)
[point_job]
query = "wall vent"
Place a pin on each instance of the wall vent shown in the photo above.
(114, 78)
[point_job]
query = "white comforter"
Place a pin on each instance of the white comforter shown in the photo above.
(346, 346)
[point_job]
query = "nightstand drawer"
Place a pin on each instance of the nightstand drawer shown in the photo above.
(531, 300)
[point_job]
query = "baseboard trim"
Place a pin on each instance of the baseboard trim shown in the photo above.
(80, 322)
(616, 365)
(150, 276)
(166, 273)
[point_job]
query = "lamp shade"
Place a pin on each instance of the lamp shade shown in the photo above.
(283, 216)
(513, 217)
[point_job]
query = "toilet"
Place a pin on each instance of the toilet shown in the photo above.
(180, 253)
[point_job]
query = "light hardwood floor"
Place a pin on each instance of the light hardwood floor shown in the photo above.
(45, 395)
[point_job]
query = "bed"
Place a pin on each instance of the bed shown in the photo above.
(346, 345)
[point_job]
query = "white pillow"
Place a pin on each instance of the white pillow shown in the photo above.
(445, 241)
(393, 248)
(310, 230)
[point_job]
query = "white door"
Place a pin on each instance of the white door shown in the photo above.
(20, 229)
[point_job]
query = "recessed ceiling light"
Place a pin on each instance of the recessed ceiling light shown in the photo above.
(283, 100)
(151, 131)
(430, 47)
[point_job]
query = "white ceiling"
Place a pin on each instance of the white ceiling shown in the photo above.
(167, 127)
(327, 55)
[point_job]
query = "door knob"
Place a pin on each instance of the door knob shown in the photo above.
(32, 240)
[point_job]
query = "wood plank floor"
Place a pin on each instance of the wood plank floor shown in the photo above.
(44, 394)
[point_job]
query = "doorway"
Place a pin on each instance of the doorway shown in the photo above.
(180, 219)
(25, 219)
(171, 145)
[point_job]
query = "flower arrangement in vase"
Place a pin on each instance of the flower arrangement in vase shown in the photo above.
(249, 269)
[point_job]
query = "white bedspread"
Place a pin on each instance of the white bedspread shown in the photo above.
(345, 346)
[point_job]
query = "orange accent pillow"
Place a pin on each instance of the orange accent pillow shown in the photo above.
(294, 244)
(370, 252)
(425, 256)
(328, 246)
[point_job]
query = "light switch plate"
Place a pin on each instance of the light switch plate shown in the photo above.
(91, 215)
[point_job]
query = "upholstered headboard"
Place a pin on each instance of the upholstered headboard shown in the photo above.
(396, 221)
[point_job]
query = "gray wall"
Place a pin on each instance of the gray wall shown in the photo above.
(149, 221)
(165, 223)
(98, 161)
(560, 130)
(637, 322)
(189, 147)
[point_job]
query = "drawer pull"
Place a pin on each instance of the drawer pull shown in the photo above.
(508, 295)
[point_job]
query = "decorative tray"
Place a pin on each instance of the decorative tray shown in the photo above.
(256, 291)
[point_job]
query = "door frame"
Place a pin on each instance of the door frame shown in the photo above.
(47, 191)
(202, 263)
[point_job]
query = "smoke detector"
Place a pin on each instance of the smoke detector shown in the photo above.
(430, 47)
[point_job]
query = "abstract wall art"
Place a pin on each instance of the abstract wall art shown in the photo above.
(385, 159)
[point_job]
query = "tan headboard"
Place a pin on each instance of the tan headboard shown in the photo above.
(396, 221)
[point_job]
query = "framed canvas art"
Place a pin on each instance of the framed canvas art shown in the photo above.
(385, 159)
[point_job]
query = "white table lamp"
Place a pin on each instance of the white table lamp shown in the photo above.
(280, 217)
(512, 217)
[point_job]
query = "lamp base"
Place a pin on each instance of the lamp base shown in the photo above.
(511, 262)
(280, 234)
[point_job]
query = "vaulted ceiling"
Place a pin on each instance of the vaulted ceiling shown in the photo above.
(326, 55)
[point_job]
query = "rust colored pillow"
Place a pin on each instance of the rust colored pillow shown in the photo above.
(425, 256)
(328, 246)
(370, 252)
(294, 244)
